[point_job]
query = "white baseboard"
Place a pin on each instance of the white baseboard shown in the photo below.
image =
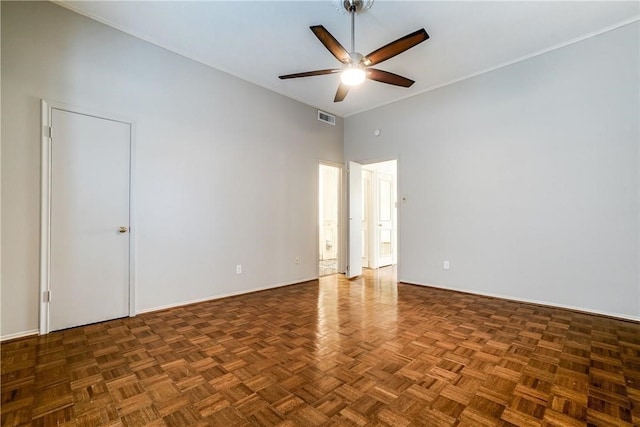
(409, 282)
(164, 307)
(19, 335)
(215, 297)
(529, 301)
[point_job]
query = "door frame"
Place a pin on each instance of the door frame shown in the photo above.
(366, 218)
(46, 108)
(355, 214)
(341, 231)
(375, 231)
(395, 237)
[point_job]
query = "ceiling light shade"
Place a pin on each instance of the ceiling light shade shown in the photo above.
(352, 75)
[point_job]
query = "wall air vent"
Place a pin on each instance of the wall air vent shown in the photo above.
(327, 118)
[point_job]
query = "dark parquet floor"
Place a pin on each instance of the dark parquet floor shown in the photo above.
(331, 353)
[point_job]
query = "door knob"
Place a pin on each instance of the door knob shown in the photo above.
(123, 229)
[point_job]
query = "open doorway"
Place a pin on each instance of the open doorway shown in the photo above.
(380, 214)
(328, 219)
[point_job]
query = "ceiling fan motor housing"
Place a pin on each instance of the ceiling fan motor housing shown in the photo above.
(353, 5)
(356, 67)
(344, 6)
(356, 58)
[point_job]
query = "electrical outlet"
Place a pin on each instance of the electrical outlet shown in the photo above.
(297, 260)
(445, 265)
(239, 269)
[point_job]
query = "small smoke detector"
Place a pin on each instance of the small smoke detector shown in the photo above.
(327, 118)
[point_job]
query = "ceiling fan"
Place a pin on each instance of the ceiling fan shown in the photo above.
(356, 67)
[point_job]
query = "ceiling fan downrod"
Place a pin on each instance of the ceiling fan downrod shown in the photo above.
(352, 11)
(355, 67)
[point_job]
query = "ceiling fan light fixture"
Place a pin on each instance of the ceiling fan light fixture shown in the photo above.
(356, 68)
(353, 75)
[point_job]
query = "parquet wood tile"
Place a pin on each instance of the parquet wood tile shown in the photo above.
(331, 352)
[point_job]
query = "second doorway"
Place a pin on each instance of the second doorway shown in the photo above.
(328, 218)
(380, 217)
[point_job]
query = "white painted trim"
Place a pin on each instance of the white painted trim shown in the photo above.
(528, 301)
(342, 261)
(45, 203)
(506, 64)
(45, 213)
(399, 208)
(221, 296)
(72, 7)
(132, 219)
(16, 335)
(367, 162)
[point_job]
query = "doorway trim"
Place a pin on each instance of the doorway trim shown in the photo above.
(46, 108)
(375, 199)
(341, 214)
(399, 201)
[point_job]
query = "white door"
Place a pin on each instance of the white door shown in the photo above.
(354, 268)
(384, 215)
(89, 219)
(366, 216)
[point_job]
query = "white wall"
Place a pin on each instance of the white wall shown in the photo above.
(226, 172)
(527, 178)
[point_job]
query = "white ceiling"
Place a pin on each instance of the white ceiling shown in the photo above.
(259, 40)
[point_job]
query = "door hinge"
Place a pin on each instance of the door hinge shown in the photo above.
(46, 296)
(48, 131)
